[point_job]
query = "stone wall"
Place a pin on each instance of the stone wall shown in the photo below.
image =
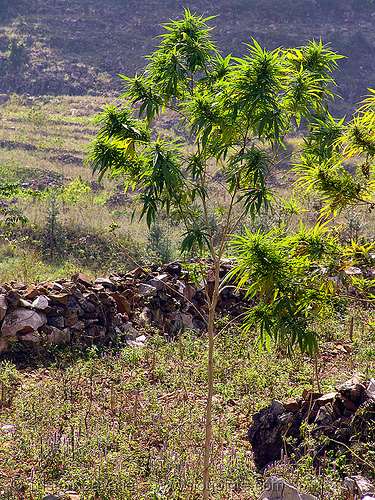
(123, 305)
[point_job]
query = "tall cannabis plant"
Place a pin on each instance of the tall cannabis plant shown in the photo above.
(237, 111)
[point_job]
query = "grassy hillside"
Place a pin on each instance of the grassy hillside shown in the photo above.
(43, 146)
(66, 47)
(76, 224)
(111, 421)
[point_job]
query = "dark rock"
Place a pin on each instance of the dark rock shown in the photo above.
(199, 324)
(189, 292)
(123, 305)
(13, 298)
(91, 297)
(348, 403)
(56, 321)
(145, 289)
(271, 426)
(370, 392)
(173, 268)
(58, 310)
(72, 319)
(309, 395)
(74, 306)
(363, 418)
(324, 417)
(86, 305)
(59, 297)
(135, 273)
(31, 292)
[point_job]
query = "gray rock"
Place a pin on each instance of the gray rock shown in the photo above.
(364, 486)
(145, 317)
(58, 336)
(32, 338)
(353, 271)
(323, 418)
(181, 287)
(371, 389)
(159, 281)
(106, 282)
(352, 389)
(8, 429)
(187, 320)
(182, 319)
(3, 307)
(41, 303)
(130, 330)
(134, 343)
(349, 483)
(277, 489)
(21, 319)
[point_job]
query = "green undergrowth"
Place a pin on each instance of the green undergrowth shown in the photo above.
(121, 423)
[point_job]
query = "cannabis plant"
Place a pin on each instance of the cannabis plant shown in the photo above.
(238, 112)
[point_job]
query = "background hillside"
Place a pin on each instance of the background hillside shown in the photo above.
(66, 47)
(59, 64)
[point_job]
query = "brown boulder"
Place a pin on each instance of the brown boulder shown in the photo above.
(82, 279)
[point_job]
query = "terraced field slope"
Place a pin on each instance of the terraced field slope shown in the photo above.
(67, 47)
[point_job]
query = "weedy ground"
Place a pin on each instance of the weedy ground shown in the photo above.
(121, 423)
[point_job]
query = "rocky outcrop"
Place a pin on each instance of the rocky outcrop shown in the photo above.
(271, 427)
(121, 306)
(338, 419)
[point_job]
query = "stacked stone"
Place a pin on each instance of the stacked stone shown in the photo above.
(337, 417)
(80, 310)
